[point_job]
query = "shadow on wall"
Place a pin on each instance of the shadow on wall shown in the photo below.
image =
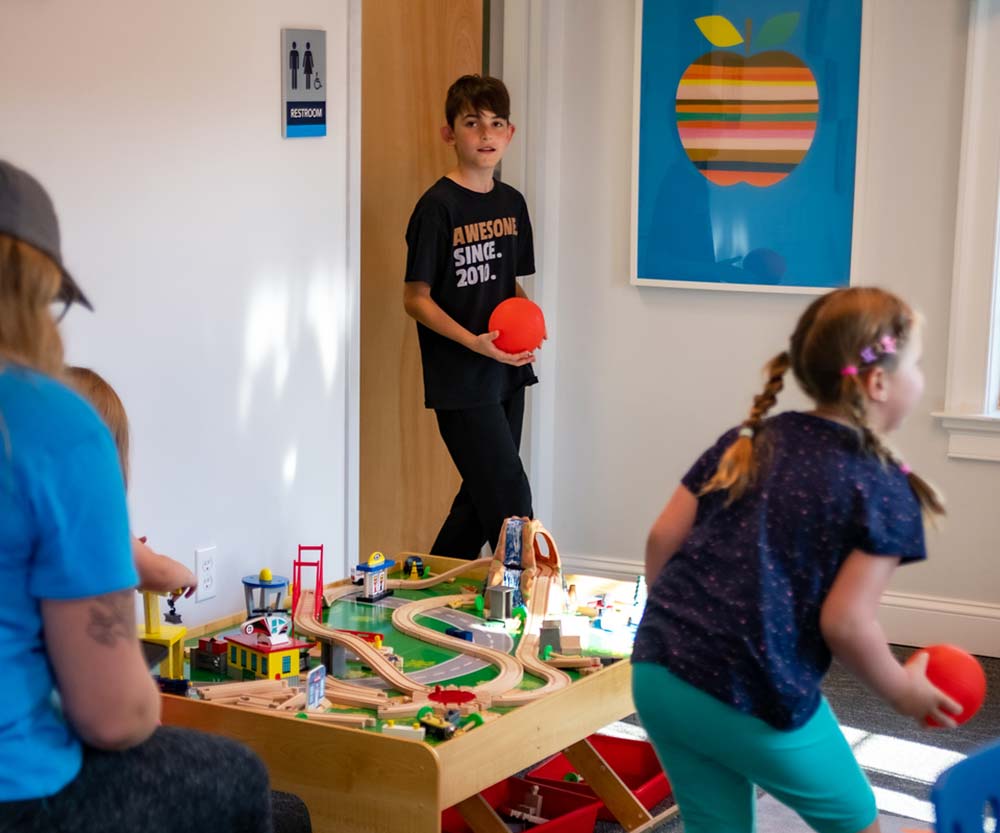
(683, 253)
(292, 342)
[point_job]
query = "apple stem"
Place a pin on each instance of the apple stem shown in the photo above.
(749, 34)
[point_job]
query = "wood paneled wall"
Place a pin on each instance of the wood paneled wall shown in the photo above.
(411, 52)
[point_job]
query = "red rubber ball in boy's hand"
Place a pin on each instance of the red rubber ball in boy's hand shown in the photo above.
(957, 674)
(521, 325)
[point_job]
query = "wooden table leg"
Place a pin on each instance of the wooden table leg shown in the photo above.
(480, 816)
(617, 797)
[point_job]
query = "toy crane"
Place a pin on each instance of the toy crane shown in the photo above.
(171, 636)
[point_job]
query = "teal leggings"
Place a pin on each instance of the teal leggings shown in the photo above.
(714, 755)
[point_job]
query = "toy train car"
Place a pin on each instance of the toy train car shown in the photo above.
(437, 727)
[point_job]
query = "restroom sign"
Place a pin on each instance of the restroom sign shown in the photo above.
(303, 83)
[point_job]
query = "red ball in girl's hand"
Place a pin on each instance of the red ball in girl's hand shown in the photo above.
(521, 325)
(958, 674)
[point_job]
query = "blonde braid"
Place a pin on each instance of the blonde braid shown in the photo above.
(737, 467)
(854, 397)
(930, 500)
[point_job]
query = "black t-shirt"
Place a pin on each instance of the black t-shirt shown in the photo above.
(471, 248)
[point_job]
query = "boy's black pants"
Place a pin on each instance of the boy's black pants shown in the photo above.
(484, 443)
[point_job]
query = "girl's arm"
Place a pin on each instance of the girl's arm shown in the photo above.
(108, 694)
(420, 306)
(669, 531)
(851, 628)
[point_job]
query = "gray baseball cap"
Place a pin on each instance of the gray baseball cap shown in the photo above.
(27, 214)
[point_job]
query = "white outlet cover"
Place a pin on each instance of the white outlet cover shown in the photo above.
(205, 565)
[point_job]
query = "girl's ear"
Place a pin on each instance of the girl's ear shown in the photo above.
(876, 384)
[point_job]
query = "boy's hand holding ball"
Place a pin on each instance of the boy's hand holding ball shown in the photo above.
(517, 329)
(485, 345)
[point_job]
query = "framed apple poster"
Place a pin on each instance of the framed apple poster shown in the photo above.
(744, 150)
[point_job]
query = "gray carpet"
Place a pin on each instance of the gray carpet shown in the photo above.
(901, 759)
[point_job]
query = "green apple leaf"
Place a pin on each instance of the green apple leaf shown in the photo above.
(776, 31)
(719, 31)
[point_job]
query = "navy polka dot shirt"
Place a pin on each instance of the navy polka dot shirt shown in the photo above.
(735, 612)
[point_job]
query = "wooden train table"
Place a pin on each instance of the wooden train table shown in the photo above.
(363, 781)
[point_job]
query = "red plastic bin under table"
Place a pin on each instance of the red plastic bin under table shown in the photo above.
(634, 761)
(566, 811)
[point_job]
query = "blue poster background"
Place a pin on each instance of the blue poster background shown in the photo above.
(796, 231)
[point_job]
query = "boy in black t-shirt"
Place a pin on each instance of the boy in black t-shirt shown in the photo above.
(469, 239)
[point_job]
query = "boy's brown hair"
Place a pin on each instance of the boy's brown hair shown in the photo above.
(476, 93)
(92, 387)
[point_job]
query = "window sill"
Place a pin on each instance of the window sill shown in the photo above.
(972, 436)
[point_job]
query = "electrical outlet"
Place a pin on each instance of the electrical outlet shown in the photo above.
(204, 569)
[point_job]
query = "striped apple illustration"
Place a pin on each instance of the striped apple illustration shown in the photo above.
(747, 117)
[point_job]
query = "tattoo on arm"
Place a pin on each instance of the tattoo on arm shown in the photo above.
(112, 617)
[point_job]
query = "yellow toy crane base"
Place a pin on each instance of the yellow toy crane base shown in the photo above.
(169, 636)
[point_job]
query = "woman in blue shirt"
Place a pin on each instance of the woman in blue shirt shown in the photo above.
(91, 759)
(773, 553)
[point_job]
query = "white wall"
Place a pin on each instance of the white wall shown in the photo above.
(637, 381)
(218, 257)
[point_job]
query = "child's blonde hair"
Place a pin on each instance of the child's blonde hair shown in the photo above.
(840, 337)
(29, 282)
(102, 396)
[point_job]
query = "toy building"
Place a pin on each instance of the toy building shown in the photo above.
(209, 655)
(499, 600)
(550, 634)
(374, 572)
(268, 590)
(265, 649)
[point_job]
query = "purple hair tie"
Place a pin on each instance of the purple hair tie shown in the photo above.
(849, 370)
(868, 355)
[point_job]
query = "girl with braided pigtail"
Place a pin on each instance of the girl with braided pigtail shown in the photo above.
(770, 558)
(736, 468)
(930, 500)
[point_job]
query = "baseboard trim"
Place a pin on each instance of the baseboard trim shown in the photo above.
(599, 565)
(914, 619)
(908, 618)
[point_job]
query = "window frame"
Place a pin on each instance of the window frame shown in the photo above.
(971, 414)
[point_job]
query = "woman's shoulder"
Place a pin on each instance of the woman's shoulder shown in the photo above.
(33, 404)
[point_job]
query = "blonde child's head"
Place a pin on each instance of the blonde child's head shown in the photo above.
(840, 341)
(844, 336)
(92, 387)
